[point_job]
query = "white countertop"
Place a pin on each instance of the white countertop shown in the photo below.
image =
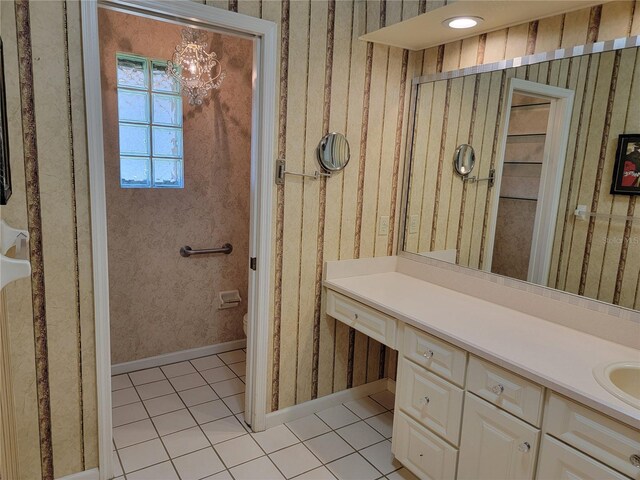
(552, 355)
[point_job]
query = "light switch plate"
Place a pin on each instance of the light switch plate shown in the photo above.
(383, 225)
(413, 224)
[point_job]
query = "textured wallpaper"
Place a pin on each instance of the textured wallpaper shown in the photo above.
(329, 80)
(161, 302)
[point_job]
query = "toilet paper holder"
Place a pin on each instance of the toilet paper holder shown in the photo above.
(229, 299)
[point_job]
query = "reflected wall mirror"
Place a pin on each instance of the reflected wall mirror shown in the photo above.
(464, 159)
(333, 152)
(545, 128)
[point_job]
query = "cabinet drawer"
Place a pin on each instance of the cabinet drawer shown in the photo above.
(435, 355)
(592, 433)
(367, 320)
(561, 462)
(495, 445)
(507, 390)
(432, 401)
(421, 451)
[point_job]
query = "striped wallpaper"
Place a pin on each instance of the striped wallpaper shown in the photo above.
(329, 80)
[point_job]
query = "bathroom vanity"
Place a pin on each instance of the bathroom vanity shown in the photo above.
(484, 391)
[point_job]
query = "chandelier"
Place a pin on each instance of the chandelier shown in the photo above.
(197, 70)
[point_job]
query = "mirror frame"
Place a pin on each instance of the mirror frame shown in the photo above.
(578, 51)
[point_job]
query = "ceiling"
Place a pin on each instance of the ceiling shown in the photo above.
(426, 30)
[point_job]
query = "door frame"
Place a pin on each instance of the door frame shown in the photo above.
(555, 152)
(264, 34)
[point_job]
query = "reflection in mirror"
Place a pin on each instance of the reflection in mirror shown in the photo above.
(333, 152)
(464, 159)
(550, 130)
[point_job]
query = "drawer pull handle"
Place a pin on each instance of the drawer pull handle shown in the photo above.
(497, 389)
(428, 354)
(355, 316)
(524, 447)
(426, 400)
(635, 460)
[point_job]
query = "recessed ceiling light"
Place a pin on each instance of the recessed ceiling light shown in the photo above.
(462, 22)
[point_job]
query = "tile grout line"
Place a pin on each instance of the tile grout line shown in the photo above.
(242, 423)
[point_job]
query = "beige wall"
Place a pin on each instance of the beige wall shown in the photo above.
(161, 302)
(455, 215)
(366, 82)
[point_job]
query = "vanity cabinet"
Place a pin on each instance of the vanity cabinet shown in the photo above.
(458, 416)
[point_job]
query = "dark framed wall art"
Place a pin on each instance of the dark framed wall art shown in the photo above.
(626, 171)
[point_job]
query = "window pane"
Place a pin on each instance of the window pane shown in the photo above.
(167, 109)
(135, 172)
(132, 72)
(134, 139)
(167, 142)
(161, 81)
(167, 172)
(133, 106)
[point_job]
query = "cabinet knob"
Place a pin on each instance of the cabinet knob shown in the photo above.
(635, 460)
(426, 400)
(428, 354)
(524, 447)
(355, 316)
(497, 389)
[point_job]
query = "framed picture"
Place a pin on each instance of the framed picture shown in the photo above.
(5, 171)
(626, 171)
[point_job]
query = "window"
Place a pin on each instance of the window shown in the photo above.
(150, 124)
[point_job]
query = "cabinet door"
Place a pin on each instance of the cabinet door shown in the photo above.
(495, 445)
(561, 462)
(421, 451)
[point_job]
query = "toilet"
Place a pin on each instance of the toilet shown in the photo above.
(244, 323)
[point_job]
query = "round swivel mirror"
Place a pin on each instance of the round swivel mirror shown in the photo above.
(333, 152)
(464, 159)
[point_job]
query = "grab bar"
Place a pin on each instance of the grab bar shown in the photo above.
(187, 251)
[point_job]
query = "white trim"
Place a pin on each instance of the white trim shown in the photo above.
(305, 409)
(175, 357)
(555, 151)
(92, 474)
(264, 34)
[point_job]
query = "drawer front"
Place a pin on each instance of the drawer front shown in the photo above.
(435, 355)
(495, 445)
(560, 462)
(598, 436)
(432, 401)
(421, 451)
(367, 320)
(507, 390)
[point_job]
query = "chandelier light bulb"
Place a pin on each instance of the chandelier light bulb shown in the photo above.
(197, 70)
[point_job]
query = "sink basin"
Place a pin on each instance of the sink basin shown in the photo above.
(621, 379)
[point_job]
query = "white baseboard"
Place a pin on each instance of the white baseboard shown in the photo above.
(305, 409)
(92, 474)
(174, 357)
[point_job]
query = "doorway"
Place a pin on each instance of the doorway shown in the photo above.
(262, 35)
(529, 175)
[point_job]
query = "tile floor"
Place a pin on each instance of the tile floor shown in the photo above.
(184, 422)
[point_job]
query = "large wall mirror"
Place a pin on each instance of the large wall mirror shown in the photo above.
(537, 205)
